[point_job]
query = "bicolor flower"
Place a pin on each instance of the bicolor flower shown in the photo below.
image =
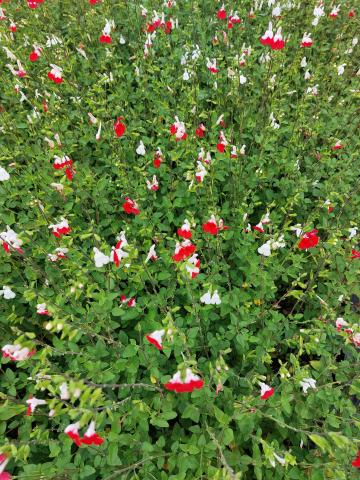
(7, 293)
(338, 146)
(60, 254)
(17, 353)
(33, 403)
(209, 299)
(200, 172)
(3, 462)
(91, 437)
(192, 266)
(157, 158)
(200, 131)
(10, 239)
(63, 162)
(184, 231)
(98, 133)
(266, 391)
(72, 431)
(105, 37)
(211, 65)
(334, 12)
(340, 324)
(184, 383)
(35, 54)
(119, 127)
(55, 74)
(306, 40)
(221, 14)
(183, 250)
(178, 130)
(152, 254)
(100, 258)
(309, 240)
(153, 185)
(130, 207)
(60, 229)
(117, 252)
(211, 226)
(156, 338)
(222, 143)
(307, 383)
(42, 310)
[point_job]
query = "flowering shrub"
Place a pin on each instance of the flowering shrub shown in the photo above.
(179, 243)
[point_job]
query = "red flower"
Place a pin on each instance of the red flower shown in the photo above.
(309, 240)
(33, 56)
(184, 231)
(221, 14)
(155, 338)
(188, 384)
(200, 131)
(355, 254)
(105, 38)
(356, 463)
(183, 250)
(119, 127)
(130, 206)
(351, 14)
(220, 147)
(266, 391)
(210, 227)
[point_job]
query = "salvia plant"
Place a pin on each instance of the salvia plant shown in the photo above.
(179, 247)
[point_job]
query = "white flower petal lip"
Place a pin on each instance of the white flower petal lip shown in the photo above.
(4, 175)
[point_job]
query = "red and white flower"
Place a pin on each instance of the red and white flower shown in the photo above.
(211, 65)
(192, 266)
(222, 143)
(158, 158)
(183, 250)
(61, 228)
(221, 14)
(178, 129)
(130, 207)
(16, 352)
(105, 37)
(156, 338)
(55, 74)
(275, 42)
(211, 226)
(180, 383)
(3, 462)
(334, 12)
(266, 391)
(117, 252)
(131, 302)
(33, 403)
(200, 172)
(200, 131)
(340, 324)
(64, 162)
(338, 146)
(153, 185)
(72, 431)
(10, 239)
(91, 437)
(152, 254)
(306, 40)
(60, 254)
(309, 240)
(42, 310)
(185, 231)
(35, 54)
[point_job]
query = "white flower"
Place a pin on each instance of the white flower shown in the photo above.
(141, 149)
(243, 79)
(307, 75)
(186, 76)
(307, 383)
(265, 249)
(341, 69)
(353, 232)
(3, 174)
(122, 40)
(7, 292)
(64, 392)
(100, 258)
(303, 63)
(152, 254)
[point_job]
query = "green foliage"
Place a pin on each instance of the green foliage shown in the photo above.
(276, 321)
